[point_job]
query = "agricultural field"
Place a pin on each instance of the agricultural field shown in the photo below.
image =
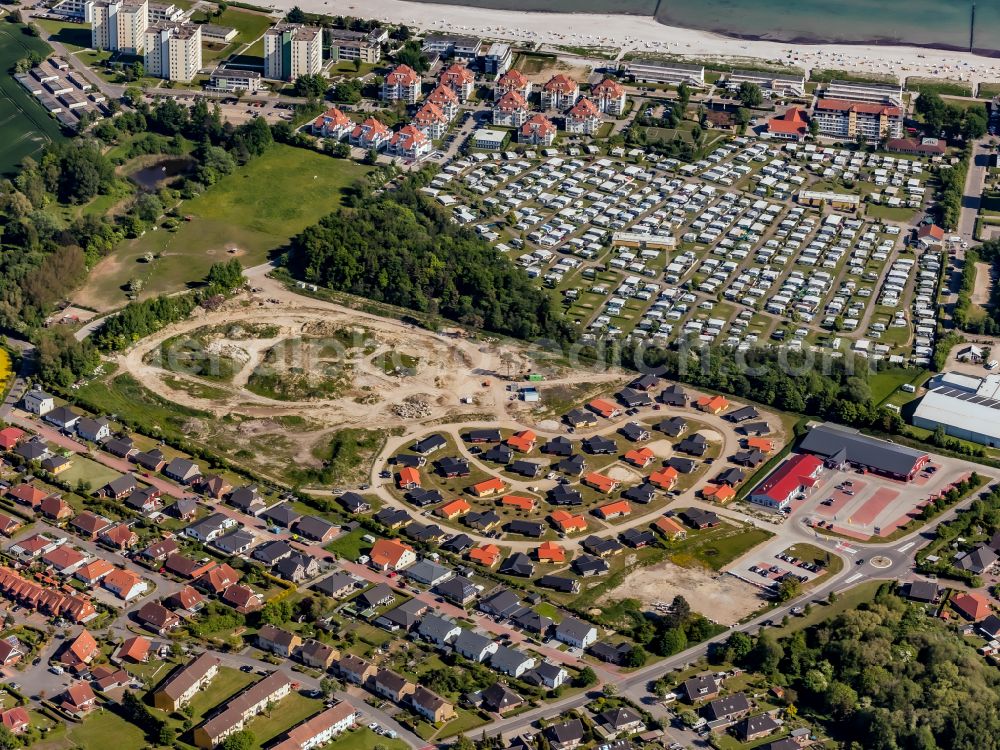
(25, 127)
(228, 220)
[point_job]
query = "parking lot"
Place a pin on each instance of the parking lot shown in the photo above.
(866, 505)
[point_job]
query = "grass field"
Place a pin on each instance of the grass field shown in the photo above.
(716, 548)
(235, 214)
(74, 36)
(938, 86)
(25, 127)
(820, 612)
(90, 471)
(288, 712)
(105, 729)
(364, 739)
(227, 683)
(886, 383)
(249, 26)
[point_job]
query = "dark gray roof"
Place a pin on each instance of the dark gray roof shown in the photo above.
(469, 642)
(282, 514)
(565, 731)
(590, 565)
(507, 659)
(313, 527)
(332, 584)
(233, 541)
(498, 697)
(501, 602)
(574, 627)
(434, 627)
(458, 589)
(827, 439)
(530, 620)
(727, 706)
(457, 544)
(977, 560)
(271, 552)
(406, 615)
(375, 596)
(518, 564)
(352, 502)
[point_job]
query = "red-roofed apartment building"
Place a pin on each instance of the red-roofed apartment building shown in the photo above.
(796, 475)
(538, 130)
(511, 110)
(459, 79)
(333, 124)
(409, 142)
(560, 92)
(609, 96)
(583, 118)
(841, 118)
(791, 126)
(431, 120)
(370, 134)
(512, 80)
(401, 84)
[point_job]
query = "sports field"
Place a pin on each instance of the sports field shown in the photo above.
(246, 215)
(25, 127)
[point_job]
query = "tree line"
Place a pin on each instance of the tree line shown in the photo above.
(965, 316)
(398, 247)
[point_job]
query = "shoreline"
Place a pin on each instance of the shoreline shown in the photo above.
(641, 33)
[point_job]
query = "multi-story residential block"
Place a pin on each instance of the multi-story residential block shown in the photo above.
(430, 120)
(537, 131)
(511, 110)
(370, 134)
(318, 730)
(292, 50)
(446, 100)
(512, 80)
(164, 12)
(583, 118)
(840, 118)
(333, 124)
(782, 84)
(865, 91)
(560, 92)
(355, 45)
(185, 683)
(448, 45)
(173, 50)
(117, 25)
(497, 58)
(233, 80)
(609, 96)
(459, 79)
(402, 84)
(241, 708)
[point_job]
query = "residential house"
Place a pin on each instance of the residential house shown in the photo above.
(390, 685)
(152, 460)
(157, 618)
(120, 537)
(474, 646)
(575, 632)
(217, 579)
(55, 508)
(79, 652)
(63, 417)
(88, 524)
(431, 706)
(210, 527)
(187, 599)
(124, 584)
(317, 655)
(235, 542)
(500, 699)
(278, 641)
(391, 554)
(355, 669)
(145, 500)
(337, 586)
(247, 500)
(182, 470)
(94, 430)
(727, 710)
(319, 730)
(242, 598)
(93, 571)
(621, 720)
(333, 124)
(134, 650)
(281, 514)
(297, 568)
(547, 675)
(565, 735)
(77, 700)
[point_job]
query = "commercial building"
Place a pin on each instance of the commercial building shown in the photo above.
(644, 71)
(232, 80)
(797, 475)
(213, 32)
(791, 126)
(839, 201)
(117, 25)
(842, 118)
(238, 710)
(839, 446)
(292, 50)
(967, 407)
(782, 84)
(489, 140)
(355, 45)
(173, 50)
(865, 91)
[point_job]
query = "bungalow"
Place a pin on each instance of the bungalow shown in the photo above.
(474, 646)
(457, 543)
(712, 404)
(672, 530)
(451, 467)
(458, 590)
(55, 508)
(152, 460)
(637, 539)
(428, 572)
(93, 571)
(316, 529)
(547, 675)
(10, 437)
(606, 409)
(487, 555)
(186, 599)
(88, 524)
(972, 606)
(720, 493)
(566, 522)
(134, 650)
(578, 418)
(429, 445)
(601, 482)
(641, 457)
(16, 719)
(562, 584)
(390, 555)
(408, 478)
(617, 509)
(210, 527)
(755, 727)
(64, 559)
(521, 527)
(510, 661)
(185, 567)
(29, 495)
(664, 478)
(281, 514)
(217, 579)
(79, 652)
(600, 445)
(673, 426)
(619, 721)
(453, 509)
(523, 441)
(490, 435)
(588, 565)
(145, 500)
(488, 487)
(247, 500)
(527, 469)
(124, 584)
(517, 502)
(11, 651)
(517, 564)
(640, 493)
(9, 524)
(56, 465)
(601, 547)
(182, 470)
(550, 552)
(694, 445)
(157, 618)
(352, 502)
(392, 518)
(234, 543)
(575, 632)
(439, 630)
(727, 710)
(697, 518)
(701, 688)
(94, 430)
(242, 598)
(63, 417)
(35, 449)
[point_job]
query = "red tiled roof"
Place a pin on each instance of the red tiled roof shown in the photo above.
(538, 124)
(608, 87)
(512, 79)
(584, 108)
(560, 82)
(511, 101)
(793, 122)
(402, 75)
(867, 108)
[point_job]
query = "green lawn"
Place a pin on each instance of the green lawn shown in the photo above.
(716, 548)
(288, 712)
(350, 545)
(364, 739)
(227, 683)
(74, 36)
(103, 729)
(251, 212)
(88, 470)
(887, 382)
(864, 592)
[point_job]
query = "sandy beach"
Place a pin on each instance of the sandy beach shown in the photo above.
(642, 33)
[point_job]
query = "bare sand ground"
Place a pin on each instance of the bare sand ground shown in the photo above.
(984, 284)
(723, 598)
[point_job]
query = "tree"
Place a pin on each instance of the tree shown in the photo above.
(789, 588)
(750, 94)
(8, 740)
(738, 647)
(311, 86)
(636, 656)
(813, 127)
(296, 15)
(671, 642)
(767, 653)
(132, 96)
(585, 678)
(609, 690)
(242, 740)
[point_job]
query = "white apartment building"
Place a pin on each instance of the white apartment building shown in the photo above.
(173, 50)
(118, 25)
(232, 80)
(839, 118)
(292, 50)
